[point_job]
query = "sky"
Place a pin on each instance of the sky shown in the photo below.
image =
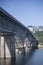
(28, 12)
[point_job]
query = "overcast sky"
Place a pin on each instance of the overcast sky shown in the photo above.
(28, 12)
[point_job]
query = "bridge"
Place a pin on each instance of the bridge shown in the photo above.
(13, 32)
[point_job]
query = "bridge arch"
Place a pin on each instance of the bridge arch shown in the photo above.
(9, 26)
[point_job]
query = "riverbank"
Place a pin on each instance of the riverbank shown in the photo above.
(40, 46)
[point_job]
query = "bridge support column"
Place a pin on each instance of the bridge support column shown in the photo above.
(1, 47)
(9, 47)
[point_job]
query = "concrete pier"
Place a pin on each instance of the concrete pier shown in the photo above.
(7, 47)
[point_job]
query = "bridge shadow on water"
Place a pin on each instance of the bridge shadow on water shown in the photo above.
(21, 59)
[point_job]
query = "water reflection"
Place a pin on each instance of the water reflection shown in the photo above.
(37, 58)
(7, 62)
(23, 58)
(33, 57)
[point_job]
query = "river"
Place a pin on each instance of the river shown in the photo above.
(34, 57)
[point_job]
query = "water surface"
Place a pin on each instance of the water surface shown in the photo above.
(34, 57)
